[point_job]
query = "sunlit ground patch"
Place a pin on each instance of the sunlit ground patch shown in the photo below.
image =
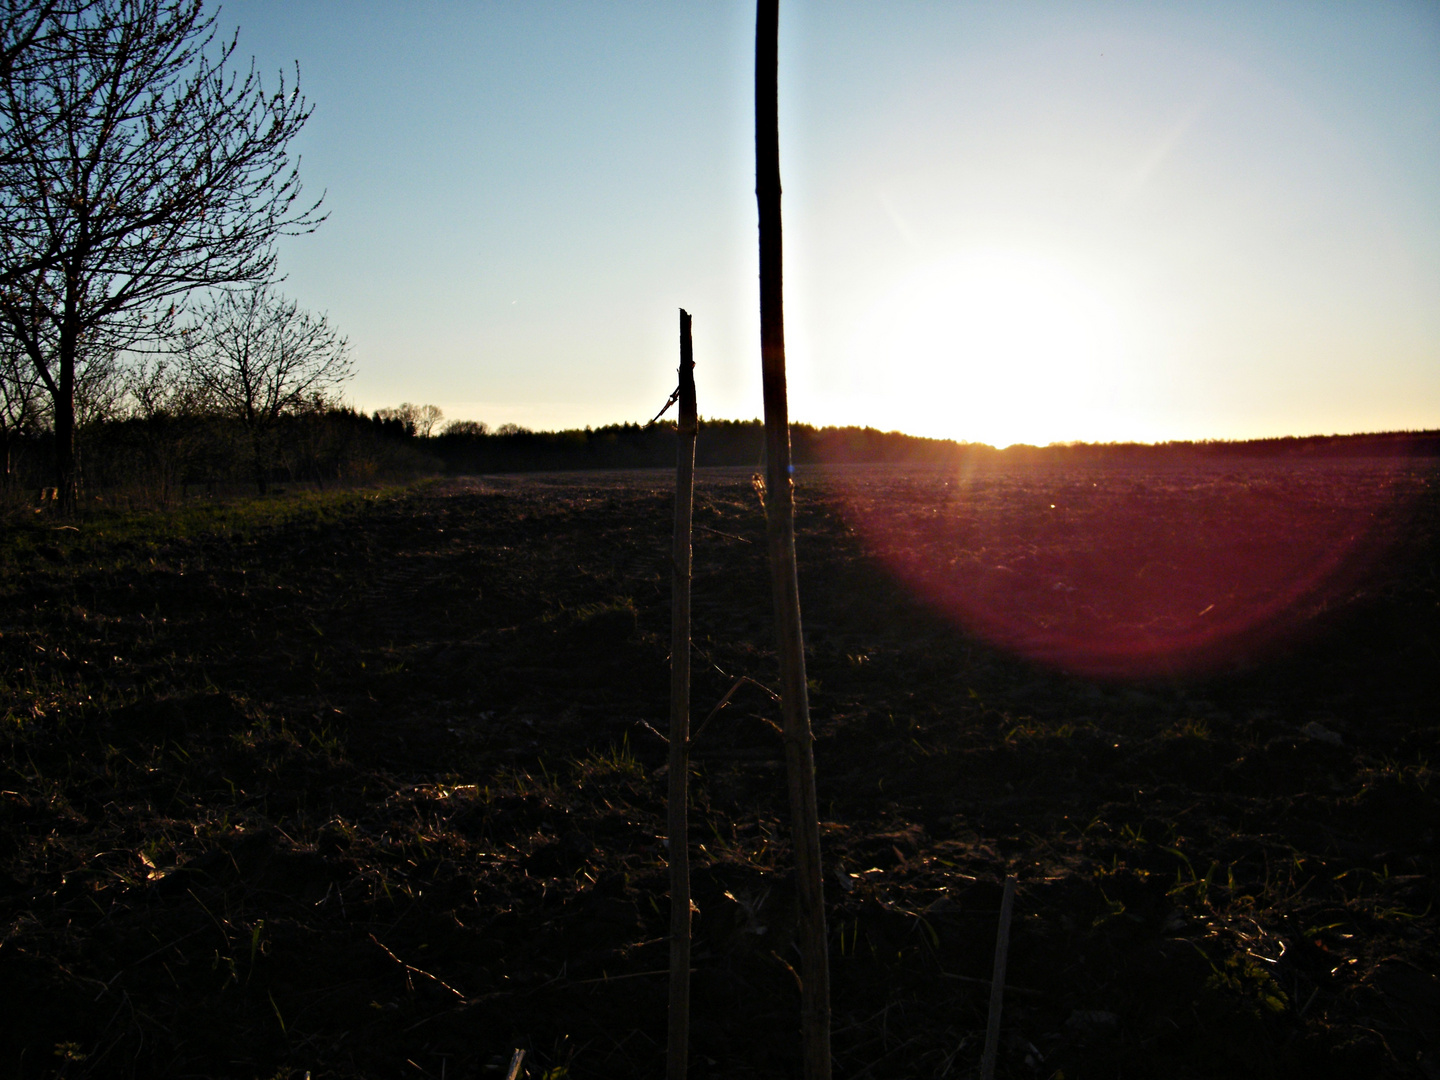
(1136, 572)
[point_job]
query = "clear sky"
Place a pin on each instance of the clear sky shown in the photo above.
(1005, 222)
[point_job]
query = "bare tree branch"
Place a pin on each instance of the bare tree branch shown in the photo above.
(136, 164)
(255, 356)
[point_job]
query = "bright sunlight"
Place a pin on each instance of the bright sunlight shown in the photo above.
(997, 346)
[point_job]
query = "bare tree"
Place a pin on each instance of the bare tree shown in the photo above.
(20, 25)
(402, 415)
(415, 419)
(22, 407)
(99, 390)
(166, 407)
(161, 385)
(427, 419)
(135, 166)
(256, 356)
(23, 37)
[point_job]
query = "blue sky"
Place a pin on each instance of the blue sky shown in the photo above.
(1004, 222)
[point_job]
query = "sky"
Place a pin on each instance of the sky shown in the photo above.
(1004, 222)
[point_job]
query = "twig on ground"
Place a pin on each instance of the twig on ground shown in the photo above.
(997, 985)
(653, 731)
(1010, 988)
(728, 536)
(409, 983)
(739, 682)
(617, 978)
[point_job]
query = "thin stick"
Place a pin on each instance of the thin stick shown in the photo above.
(780, 534)
(515, 1062)
(617, 978)
(1010, 988)
(677, 1049)
(997, 982)
(408, 968)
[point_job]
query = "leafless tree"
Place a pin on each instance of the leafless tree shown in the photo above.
(24, 29)
(22, 406)
(25, 407)
(255, 356)
(135, 166)
(418, 420)
(20, 24)
(99, 390)
(169, 412)
(402, 415)
(160, 385)
(427, 419)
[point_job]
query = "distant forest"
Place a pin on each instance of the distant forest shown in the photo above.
(470, 448)
(162, 457)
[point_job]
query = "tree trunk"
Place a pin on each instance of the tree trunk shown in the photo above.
(780, 532)
(62, 396)
(677, 1052)
(257, 448)
(67, 481)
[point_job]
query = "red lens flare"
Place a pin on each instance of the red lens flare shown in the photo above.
(1134, 572)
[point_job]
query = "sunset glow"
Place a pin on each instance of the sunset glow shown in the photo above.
(990, 346)
(1003, 222)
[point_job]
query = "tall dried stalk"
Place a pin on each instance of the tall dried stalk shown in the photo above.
(780, 531)
(679, 1038)
(997, 982)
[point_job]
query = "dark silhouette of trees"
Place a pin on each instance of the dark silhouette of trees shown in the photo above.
(136, 165)
(21, 408)
(170, 420)
(469, 429)
(256, 357)
(417, 421)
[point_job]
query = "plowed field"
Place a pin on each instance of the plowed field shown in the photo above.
(371, 785)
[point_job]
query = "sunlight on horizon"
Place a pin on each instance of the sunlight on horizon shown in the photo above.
(1002, 222)
(992, 345)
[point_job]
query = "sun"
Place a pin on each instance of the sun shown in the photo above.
(996, 346)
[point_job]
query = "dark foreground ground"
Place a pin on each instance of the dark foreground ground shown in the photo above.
(366, 786)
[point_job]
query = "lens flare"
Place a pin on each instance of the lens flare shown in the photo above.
(1134, 572)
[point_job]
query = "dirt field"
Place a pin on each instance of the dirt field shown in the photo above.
(367, 786)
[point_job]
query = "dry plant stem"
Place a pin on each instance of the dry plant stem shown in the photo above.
(780, 533)
(997, 982)
(516, 1061)
(679, 1029)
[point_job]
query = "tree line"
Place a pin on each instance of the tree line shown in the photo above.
(468, 447)
(163, 439)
